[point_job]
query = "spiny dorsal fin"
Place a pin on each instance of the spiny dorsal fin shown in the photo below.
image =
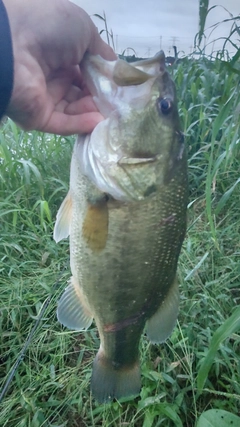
(63, 221)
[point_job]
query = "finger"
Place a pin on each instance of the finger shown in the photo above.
(99, 47)
(73, 94)
(64, 84)
(65, 124)
(80, 106)
(83, 105)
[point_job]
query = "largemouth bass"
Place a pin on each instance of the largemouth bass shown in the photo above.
(126, 216)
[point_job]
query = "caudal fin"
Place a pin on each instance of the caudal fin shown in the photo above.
(109, 382)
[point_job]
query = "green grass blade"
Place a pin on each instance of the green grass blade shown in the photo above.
(230, 326)
(203, 12)
(222, 117)
(224, 199)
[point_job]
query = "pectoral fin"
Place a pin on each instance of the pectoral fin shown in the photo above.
(161, 324)
(72, 309)
(95, 226)
(63, 221)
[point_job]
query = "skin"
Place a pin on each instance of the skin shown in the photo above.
(49, 40)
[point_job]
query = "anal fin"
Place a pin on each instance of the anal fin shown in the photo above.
(72, 311)
(161, 324)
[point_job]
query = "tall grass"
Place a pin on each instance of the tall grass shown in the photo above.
(197, 370)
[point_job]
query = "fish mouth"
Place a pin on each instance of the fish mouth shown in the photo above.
(138, 159)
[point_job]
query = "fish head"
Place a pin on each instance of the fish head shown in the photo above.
(140, 135)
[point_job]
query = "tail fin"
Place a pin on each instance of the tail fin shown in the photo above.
(108, 382)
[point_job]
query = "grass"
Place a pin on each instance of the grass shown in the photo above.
(51, 385)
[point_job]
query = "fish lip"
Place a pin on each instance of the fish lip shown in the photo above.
(136, 160)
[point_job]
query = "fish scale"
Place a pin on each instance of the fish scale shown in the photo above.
(126, 216)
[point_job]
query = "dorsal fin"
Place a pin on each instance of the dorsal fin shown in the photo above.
(63, 221)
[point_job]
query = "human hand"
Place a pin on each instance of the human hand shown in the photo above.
(49, 41)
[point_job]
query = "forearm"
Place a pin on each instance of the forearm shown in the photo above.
(6, 61)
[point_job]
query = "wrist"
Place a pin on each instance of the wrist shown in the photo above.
(6, 60)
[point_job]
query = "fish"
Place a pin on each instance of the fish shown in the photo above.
(125, 213)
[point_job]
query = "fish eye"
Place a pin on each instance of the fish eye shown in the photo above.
(164, 105)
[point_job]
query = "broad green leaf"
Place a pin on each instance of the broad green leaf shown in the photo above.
(172, 414)
(45, 211)
(218, 418)
(231, 325)
(148, 418)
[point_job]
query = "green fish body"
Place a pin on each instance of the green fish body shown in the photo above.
(126, 216)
